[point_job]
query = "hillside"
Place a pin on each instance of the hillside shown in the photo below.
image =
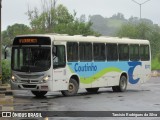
(109, 26)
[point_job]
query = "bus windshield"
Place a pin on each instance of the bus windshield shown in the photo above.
(31, 59)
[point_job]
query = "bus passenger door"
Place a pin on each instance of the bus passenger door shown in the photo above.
(59, 68)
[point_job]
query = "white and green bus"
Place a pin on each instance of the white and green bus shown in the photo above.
(55, 62)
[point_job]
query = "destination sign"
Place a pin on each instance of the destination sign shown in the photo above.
(29, 40)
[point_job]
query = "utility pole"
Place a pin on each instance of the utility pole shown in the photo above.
(140, 5)
(0, 45)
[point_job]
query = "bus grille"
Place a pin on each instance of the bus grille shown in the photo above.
(30, 81)
(29, 86)
(31, 76)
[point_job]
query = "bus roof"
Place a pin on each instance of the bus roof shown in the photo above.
(80, 38)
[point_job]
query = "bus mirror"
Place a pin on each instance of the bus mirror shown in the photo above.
(5, 55)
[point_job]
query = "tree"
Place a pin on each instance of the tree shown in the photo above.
(127, 30)
(57, 20)
(12, 31)
(142, 30)
(9, 34)
(6, 71)
(119, 16)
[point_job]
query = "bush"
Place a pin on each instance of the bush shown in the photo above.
(6, 71)
(156, 63)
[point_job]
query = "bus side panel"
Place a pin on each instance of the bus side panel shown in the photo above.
(146, 71)
(84, 70)
(98, 74)
(102, 74)
(60, 80)
(107, 74)
(139, 72)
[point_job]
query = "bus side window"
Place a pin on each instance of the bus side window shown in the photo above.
(72, 51)
(85, 51)
(59, 59)
(134, 52)
(99, 52)
(55, 57)
(112, 52)
(144, 52)
(123, 52)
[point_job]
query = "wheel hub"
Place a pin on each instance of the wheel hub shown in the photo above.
(123, 84)
(71, 87)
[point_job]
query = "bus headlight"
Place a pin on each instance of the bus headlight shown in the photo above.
(13, 78)
(46, 78)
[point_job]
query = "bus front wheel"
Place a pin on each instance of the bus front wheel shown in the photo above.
(39, 93)
(122, 85)
(72, 88)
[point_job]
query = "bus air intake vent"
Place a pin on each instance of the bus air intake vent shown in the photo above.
(31, 76)
(29, 86)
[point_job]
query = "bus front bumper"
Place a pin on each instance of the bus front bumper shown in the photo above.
(28, 86)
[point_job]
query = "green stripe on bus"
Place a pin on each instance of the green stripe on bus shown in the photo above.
(99, 75)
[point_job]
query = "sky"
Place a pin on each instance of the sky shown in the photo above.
(14, 11)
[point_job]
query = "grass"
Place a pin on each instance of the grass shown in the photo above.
(155, 64)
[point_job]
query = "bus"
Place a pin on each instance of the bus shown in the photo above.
(56, 62)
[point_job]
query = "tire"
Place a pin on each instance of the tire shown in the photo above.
(122, 85)
(39, 93)
(92, 90)
(72, 88)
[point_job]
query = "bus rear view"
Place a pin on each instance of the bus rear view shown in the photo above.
(31, 64)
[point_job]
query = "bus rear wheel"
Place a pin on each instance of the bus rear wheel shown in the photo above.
(72, 88)
(92, 90)
(122, 85)
(39, 93)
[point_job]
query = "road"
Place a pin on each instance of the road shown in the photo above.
(144, 97)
